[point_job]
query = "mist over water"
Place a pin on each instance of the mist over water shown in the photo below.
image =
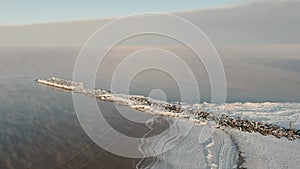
(253, 74)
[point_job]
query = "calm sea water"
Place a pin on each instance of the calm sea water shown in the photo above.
(38, 125)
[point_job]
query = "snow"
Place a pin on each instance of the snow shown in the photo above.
(220, 149)
(267, 152)
(217, 151)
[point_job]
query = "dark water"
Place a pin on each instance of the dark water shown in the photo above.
(39, 129)
(38, 125)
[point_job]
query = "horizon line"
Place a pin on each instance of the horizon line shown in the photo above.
(116, 17)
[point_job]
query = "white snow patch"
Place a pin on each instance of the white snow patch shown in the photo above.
(267, 151)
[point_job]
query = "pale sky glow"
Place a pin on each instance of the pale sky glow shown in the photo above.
(36, 11)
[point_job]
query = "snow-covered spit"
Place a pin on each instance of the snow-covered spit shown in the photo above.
(225, 146)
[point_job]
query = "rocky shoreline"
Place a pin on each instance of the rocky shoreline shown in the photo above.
(260, 127)
(177, 110)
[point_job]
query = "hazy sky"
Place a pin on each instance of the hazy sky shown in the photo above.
(37, 11)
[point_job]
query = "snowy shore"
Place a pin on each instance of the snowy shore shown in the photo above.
(237, 130)
(264, 118)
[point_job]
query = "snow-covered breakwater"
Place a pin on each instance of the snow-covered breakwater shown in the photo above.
(197, 113)
(60, 83)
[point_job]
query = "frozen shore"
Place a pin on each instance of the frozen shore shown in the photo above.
(232, 116)
(242, 134)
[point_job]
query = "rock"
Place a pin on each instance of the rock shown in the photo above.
(298, 132)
